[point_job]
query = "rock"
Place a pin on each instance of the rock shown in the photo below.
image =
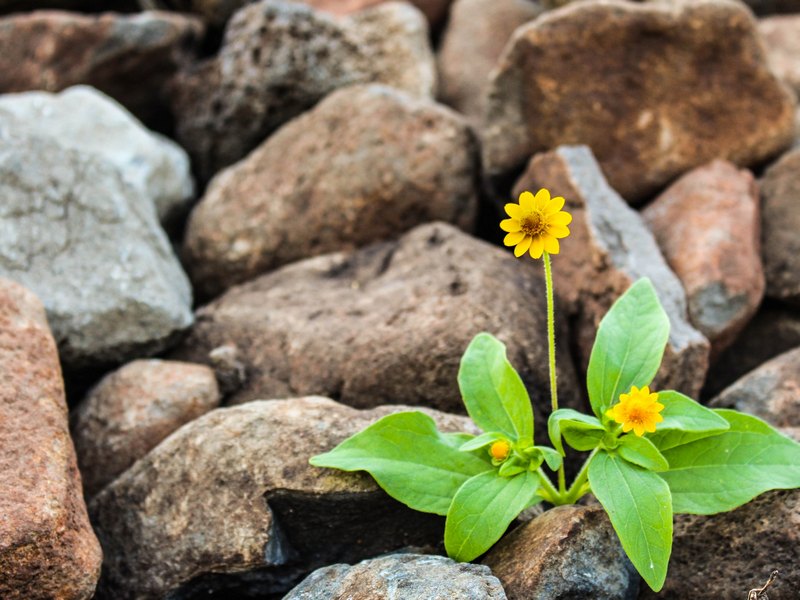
(567, 552)
(83, 119)
(132, 409)
(231, 494)
(780, 190)
(609, 248)
(47, 547)
(324, 183)
(130, 58)
(623, 78)
(781, 35)
(434, 10)
(405, 311)
(12, 6)
(476, 34)
(78, 236)
(279, 59)
(707, 226)
(725, 555)
(401, 577)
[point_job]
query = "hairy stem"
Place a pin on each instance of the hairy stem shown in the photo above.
(579, 487)
(551, 352)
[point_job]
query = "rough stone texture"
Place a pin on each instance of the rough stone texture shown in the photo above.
(86, 120)
(47, 547)
(279, 59)
(708, 227)
(609, 248)
(132, 409)
(401, 576)
(231, 494)
(330, 180)
(653, 89)
(9, 6)
(130, 58)
(476, 34)
(76, 234)
(405, 311)
(780, 195)
(726, 555)
(567, 552)
(434, 10)
(781, 37)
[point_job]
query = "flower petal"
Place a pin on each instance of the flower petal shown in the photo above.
(639, 429)
(510, 225)
(555, 205)
(514, 238)
(559, 218)
(537, 247)
(526, 201)
(542, 198)
(550, 244)
(558, 231)
(522, 246)
(513, 210)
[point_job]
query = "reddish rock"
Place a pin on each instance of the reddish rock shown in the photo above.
(328, 182)
(608, 249)
(781, 37)
(131, 410)
(47, 546)
(653, 89)
(707, 225)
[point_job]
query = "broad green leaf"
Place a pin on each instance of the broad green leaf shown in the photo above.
(566, 419)
(684, 421)
(638, 503)
(551, 457)
(629, 345)
(482, 510)
(511, 467)
(482, 441)
(641, 451)
(410, 459)
(719, 473)
(493, 391)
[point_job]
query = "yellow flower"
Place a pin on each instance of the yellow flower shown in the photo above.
(637, 410)
(499, 450)
(536, 223)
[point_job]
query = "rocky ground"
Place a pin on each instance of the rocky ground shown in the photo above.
(234, 233)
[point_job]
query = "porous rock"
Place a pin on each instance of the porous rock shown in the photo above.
(47, 546)
(332, 181)
(132, 409)
(231, 494)
(653, 89)
(781, 35)
(608, 249)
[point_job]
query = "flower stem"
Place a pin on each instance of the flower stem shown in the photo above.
(551, 336)
(549, 492)
(576, 490)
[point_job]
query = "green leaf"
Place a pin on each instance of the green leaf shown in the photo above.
(640, 508)
(551, 457)
(585, 430)
(482, 510)
(410, 459)
(483, 440)
(629, 345)
(684, 421)
(493, 391)
(641, 451)
(719, 473)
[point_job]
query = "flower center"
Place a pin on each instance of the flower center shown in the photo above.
(533, 224)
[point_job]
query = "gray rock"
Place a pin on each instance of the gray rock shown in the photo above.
(401, 577)
(76, 234)
(84, 119)
(781, 35)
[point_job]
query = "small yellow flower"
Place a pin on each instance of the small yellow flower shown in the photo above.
(637, 410)
(536, 223)
(499, 450)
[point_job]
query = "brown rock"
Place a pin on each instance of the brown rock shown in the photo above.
(132, 409)
(232, 492)
(567, 552)
(780, 195)
(725, 555)
(127, 57)
(476, 34)
(328, 181)
(781, 37)
(707, 226)
(47, 547)
(385, 324)
(609, 248)
(625, 79)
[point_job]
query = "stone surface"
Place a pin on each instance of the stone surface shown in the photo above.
(434, 10)
(708, 227)
(231, 494)
(609, 248)
(625, 79)
(780, 195)
(404, 310)
(567, 552)
(781, 35)
(476, 34)
(278, 59)
(80, 237)
(130, 58)
(47, 547)
(726, 555)
(401, 576)
(132, 409)
(83, 119)
(331, 181)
